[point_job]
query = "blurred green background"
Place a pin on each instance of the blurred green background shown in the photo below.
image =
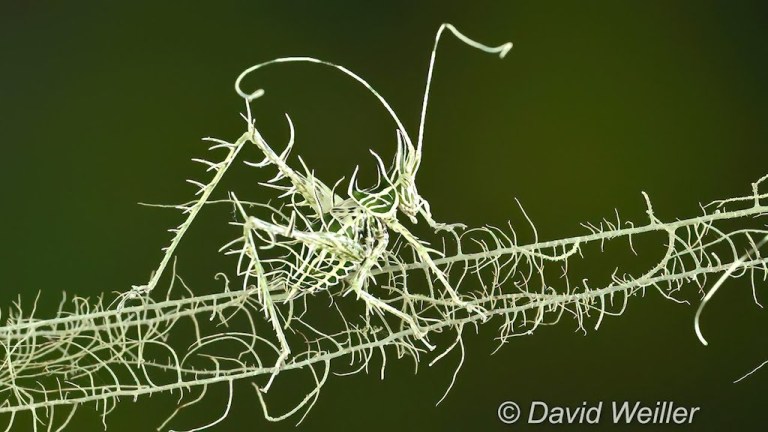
(102, 106)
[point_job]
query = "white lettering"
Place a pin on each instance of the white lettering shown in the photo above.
(534, 405)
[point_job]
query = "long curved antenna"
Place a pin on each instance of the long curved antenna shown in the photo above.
(260, 92)
(501, 50)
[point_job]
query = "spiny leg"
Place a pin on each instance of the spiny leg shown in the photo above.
(271, 313)
(357, 285)
(255, 267)
(424, 256)
(437, 226)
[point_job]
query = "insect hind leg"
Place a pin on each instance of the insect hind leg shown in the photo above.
(357, 285)
(255, 268)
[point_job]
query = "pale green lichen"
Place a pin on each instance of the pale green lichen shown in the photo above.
(313, 246)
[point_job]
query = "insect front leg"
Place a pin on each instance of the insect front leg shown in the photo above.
(403, 177)
(437, 226)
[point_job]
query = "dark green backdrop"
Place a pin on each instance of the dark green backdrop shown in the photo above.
(102, 105)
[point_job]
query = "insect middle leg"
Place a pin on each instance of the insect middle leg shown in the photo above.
(423, 254)
(357, 285)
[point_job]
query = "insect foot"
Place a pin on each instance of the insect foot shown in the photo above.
(279, 364)
(475, 310)
(136, 292)
(421, 335)
(446, 227)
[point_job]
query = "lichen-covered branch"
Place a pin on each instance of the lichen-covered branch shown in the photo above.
(329, 277)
